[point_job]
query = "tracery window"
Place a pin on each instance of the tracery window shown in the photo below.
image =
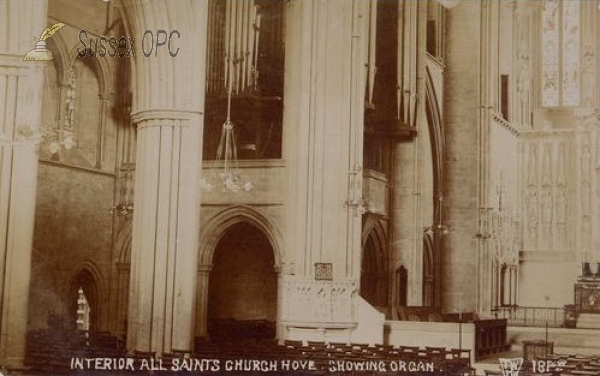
(561, 53)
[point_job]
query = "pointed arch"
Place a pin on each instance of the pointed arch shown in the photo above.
(374, 226)
(210, 237)
(88, 278)
(60, 56)
(375, 262)
(101, 67)
(218, 225)
(436, 131)
(434, 115)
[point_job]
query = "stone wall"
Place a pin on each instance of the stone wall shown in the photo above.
(73, 230)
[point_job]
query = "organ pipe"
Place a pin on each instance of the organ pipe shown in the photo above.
(256, 45)
(250, 63)
(371, 67)
(234, 31)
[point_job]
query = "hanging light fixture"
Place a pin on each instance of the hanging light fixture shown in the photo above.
(58, 139)
(225, 172)
(240, 43)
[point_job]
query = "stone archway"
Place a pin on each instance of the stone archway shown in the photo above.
(432, 247)
(374, 280)
(242, 289)
(84, 298)
(212, 234)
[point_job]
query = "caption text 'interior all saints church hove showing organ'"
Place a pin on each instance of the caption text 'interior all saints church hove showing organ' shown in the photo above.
(365, 171)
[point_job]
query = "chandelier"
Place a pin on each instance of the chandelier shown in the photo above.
(58, 139)
(225, 172)
(240, 67)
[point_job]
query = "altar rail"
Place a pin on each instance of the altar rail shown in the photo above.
(533, 316)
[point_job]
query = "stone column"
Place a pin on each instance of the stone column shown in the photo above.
(20, 116)
(202, 300)
(168, 106)
(463, 161)
(484, 249)
(323, 117)
(165, 227)
(407, 165)
(101, 131)
(122, 295)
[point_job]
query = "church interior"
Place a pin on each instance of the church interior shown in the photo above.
(380, 175)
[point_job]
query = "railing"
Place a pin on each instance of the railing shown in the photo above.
(533, 316)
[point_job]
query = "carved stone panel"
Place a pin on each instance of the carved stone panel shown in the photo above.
(545, 191)
(319, 301)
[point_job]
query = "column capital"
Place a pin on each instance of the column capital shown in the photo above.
(14, 65)
(204, 268)
(142, 117)
(106, 97)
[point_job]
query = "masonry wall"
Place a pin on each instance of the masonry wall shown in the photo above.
(73, 230)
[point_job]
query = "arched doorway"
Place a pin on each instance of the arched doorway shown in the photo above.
(374, 271)
(83, 302)
(242, 288)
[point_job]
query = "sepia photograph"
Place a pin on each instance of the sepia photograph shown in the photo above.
(300, 187)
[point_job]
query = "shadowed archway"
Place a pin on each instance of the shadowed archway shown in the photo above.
(235, 234)
(374, 278)
(242, 293)
(84, 302)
